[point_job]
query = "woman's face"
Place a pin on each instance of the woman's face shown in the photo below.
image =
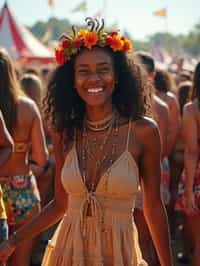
(95, 77)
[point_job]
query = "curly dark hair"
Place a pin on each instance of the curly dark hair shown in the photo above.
(65, 109)
(196, 83)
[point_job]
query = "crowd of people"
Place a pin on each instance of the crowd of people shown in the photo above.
(105, 146)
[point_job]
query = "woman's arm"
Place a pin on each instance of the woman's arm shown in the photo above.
(39, 151)
(6, 142)
(49, 215)
(154, 210)
(174, 120)
(190, 154)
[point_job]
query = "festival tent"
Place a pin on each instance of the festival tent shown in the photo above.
(20, 43)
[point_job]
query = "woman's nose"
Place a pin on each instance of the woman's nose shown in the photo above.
(93, 76)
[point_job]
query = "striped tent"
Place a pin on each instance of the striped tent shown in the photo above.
(20, 43)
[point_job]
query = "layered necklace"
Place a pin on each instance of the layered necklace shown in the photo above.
(109, 125)
(101, 124)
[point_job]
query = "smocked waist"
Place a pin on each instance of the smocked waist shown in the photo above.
(115, 205)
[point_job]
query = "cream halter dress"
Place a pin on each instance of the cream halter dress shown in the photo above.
(108, 237)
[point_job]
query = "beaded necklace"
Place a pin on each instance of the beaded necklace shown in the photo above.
(103, 157)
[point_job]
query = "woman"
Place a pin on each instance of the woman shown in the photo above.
(18, 183)
(189, 188)
(6, 148)
(160, 113)
(97, 101)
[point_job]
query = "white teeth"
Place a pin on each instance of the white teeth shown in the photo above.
(95, 90)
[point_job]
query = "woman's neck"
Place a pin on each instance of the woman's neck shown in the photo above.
(98, 113)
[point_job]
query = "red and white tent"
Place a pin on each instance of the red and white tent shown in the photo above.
(20, 43)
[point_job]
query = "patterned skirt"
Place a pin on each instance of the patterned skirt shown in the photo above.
(20, 195)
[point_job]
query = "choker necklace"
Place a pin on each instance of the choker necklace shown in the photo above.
(101, 124)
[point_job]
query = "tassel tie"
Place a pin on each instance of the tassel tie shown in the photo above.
(90, 208)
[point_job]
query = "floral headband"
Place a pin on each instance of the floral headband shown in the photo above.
(93, 35)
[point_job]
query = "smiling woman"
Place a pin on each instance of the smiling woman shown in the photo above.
(97, 102)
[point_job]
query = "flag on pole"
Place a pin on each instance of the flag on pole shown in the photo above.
(160, 13)
(82, 7)
(50, 2)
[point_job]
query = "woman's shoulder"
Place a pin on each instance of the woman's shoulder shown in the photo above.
(191, 107)
(27, 105)
(145, 126)
(146, 133)
(171, 97)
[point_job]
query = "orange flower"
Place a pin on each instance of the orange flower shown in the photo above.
(60, 57)
(127, 45)
(117, 43)
(90, 39)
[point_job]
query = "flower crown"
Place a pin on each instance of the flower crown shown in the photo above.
(93, 35)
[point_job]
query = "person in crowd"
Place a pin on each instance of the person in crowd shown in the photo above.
(184, 75)
(184, 95)
(189, 188)
(104, 146)
(161, 115)
(45, 74)
(164, 85)
(165, 90)
(33, 88)
(6, 148)
(23, 121)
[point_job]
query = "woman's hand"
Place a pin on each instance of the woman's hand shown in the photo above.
(6, 250)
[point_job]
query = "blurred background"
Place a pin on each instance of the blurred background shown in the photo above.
(170, 30)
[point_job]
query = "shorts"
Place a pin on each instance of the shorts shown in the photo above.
(20, 195)
(3, 230)
(180, 201)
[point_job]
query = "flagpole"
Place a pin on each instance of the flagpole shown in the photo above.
(52, 9)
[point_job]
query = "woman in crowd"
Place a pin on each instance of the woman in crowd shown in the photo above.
(20, 193)
(161, 115)
(33, 88)
(97, 101)
(189, 188)
(6, 148)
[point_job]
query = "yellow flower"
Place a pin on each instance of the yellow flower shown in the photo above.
(81, 33)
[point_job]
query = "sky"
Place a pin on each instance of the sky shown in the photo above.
(134, 16)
